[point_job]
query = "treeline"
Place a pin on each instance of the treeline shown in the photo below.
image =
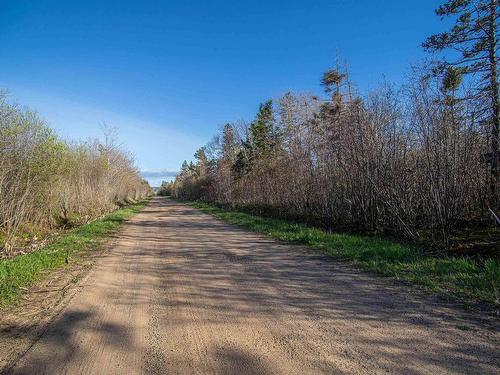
(165, 189)
(46, 182)
(419, 161)
(392, 161)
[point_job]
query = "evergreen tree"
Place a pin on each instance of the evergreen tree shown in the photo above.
(262, 139)
(229, 143)
(201, 162)
(184, 167)
(243, 163)
(474, 36)
(262, 132)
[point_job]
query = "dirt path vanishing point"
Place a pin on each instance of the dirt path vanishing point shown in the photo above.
(182, 293)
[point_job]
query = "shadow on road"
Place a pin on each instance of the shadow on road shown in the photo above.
(306, 308)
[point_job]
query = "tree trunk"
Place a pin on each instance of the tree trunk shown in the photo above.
(496, 107)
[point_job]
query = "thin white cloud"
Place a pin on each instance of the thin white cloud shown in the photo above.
(158, 173)
(156, 176)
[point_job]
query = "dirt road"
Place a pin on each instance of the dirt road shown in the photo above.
(182, 293)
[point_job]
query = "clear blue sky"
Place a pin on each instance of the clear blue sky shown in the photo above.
(168, 74)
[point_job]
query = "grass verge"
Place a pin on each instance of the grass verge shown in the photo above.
(467, 279)
(25, 270)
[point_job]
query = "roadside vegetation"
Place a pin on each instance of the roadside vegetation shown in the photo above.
(48, 184)
(468, 279)
(417, 163)
(24, 270)
(165, 189)
(58, 199)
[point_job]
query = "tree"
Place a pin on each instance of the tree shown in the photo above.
(165, 189)
(262, 131)
(229, 143)
(201, 162)
(474, 36)
(184, 167)
(46, 182)
(243, 163)
(262, 139)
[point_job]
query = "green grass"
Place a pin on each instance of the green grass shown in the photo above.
(469, 280)
(25, 270)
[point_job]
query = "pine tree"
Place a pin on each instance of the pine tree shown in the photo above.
(229, 143)
(201, 162)
(262, 139)
(184, 167)
(474, 36)
(242, 164)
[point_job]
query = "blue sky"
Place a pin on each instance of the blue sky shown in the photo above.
(168, 74)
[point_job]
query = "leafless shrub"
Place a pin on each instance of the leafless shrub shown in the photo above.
(404, 161)
(45, 182)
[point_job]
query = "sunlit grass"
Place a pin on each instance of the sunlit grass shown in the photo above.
(24, 270)
(471, 280)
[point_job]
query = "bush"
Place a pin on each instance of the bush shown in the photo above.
(46, 182)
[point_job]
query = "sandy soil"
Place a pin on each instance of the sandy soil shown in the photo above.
(180, 292)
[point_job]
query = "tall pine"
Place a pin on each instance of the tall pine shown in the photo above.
(475, 36)
(262, 139)
(262, 130)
